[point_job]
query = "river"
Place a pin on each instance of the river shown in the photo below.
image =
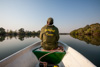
(10, 45)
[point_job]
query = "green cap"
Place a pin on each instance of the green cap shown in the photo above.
(50, 20)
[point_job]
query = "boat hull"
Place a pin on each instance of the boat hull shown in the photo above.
(26, 58)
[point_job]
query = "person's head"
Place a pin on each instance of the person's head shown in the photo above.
(50, 21)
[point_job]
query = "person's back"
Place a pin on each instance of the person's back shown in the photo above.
(49, 36)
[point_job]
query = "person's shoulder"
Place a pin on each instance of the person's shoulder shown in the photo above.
(55, 26)
(44, 26)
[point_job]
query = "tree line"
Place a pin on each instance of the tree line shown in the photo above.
(21, 31)
(93, 29)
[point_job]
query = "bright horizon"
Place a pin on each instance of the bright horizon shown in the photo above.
(33, 14)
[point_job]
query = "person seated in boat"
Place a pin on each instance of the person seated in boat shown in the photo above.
(49, 35)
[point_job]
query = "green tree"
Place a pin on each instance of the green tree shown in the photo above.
(88, 32)
(74, 32)
(86, 27)
(93, 29)
(21, 31)
(10, 32)
(28, 32)
(2, 31)
(38, 32)
(80, 31)
(15, 33)
(96, 32)
(33, 32)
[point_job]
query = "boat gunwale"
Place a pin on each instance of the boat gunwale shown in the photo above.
(77, 52)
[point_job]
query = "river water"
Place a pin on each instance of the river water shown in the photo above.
(10, 45)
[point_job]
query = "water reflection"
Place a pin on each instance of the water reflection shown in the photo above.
(20, 37)
(2, 38)
(94, 40)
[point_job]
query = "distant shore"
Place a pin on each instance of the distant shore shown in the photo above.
(64, 33)
(93, 29)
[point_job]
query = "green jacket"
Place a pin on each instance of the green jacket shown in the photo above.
(49, 35)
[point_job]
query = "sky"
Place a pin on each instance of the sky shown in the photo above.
(32, 15)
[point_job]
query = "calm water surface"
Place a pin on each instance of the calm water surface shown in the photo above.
(9, 46)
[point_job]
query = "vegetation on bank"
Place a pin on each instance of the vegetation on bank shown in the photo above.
(21, 31)
(93, 29)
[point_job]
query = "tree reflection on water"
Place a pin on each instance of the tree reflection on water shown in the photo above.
(2, 38)
(94, 40)
(20, 37)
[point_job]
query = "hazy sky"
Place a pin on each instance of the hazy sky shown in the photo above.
(33, 14)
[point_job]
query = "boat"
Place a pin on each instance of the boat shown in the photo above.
(26, 58)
